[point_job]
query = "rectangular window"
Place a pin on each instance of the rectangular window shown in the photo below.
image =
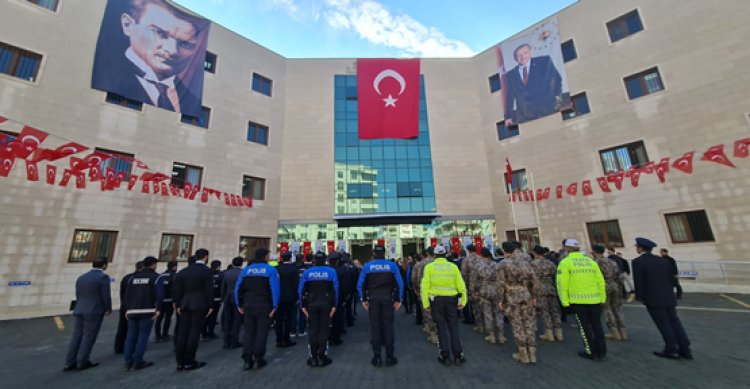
(689, 227)
(643, 83)
(91, 244)
(359, 191)
(624, 26)
(606, 233)
(528, 237)
(262, 84)
(182, 173)
(568, 51)
(409, 189)
(257, 133)
(248, 245)
(49, 4)
(119, 162)
(175, 247)
(201, 121)
(209, 64)
(18, 62)
(254, 187)
(123, 102)
(520, 182)
(623, 157)
(580, 107)
(506, 132)
(495, 83)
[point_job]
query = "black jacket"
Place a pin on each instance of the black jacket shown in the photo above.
(654, 279)
(227, 284)
(141, 295)
(289, 281)
(193, 288)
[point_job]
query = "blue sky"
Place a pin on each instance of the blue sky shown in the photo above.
(375, 28)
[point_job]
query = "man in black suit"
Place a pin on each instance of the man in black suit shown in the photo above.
(533, 88)
(654, 279)
(193, 297)
(288, 280)
(231, 320)
(163, 42)
(665, 254)
(93, 302)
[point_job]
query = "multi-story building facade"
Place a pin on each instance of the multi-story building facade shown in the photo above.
(648, 80)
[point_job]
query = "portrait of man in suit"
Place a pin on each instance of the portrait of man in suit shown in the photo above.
(535, 86)
(152, 52)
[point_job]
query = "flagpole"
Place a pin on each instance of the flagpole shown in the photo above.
(512, 208)
(536, 206)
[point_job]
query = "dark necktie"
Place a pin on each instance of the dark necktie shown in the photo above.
(525, 75)
(163, 100)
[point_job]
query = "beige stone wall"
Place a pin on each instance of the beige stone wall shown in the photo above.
(38, 221)
(702, 59)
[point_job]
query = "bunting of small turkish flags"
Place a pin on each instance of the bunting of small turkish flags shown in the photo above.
(32, 171)
(3, 119)
(66, 177)
(164, 190)
(741, 148)
(478, 243)
(586, 187)
(306, 248)
(716, 154)
(559, 191)
(572, 189)
(94, 159)
(603, 185)
(204, 195)
(226, 200)
(526, 196)
(95, 173)
(433, 242)
(616, 178)
(661, 169)
(132, 181)
(248, 201)
(174, 190)
(388, 98)
(144, 187)
(191, 191)
(30, 138)
(331, 246)
(684, 163)
(283, 247)
(456, 245)
(80, 180)
(634, 174)
(51, 174)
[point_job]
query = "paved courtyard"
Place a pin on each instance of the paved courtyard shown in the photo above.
(33, 352)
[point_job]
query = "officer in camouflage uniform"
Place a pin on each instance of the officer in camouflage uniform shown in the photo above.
(517, 290)
(416, 279)
(486, 280)
(547, 305)
(468, 273)
(613, 305)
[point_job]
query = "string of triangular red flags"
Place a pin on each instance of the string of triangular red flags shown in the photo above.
(615, 180)
(27, 147)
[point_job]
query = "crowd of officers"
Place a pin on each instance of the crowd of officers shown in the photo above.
(319, 292)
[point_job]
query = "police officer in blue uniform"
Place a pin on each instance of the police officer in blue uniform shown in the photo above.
(209, 331)
(381, 290)
(256, 294)
(318, 295)
(654, 278)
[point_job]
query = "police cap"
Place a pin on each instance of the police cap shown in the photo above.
(597, 248)
(539, 249)
(645, 243)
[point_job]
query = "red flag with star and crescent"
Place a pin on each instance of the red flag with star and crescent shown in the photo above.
(388, 98)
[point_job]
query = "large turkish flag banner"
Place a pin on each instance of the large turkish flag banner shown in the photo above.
(388, 98)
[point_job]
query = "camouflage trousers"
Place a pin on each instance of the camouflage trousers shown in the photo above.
(548, 309)
(428, 324)
(613, 310)
(523, 321)
(492, 317)
(476, 310)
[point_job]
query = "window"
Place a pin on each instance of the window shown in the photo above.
(262, 84)
(528, 237)
(625, 25)
(689, 227)
(495, 83)
(209, 64)
(643, 83)
(123, 101)
(580, 107)
(175, 247)
(257, 133)
(520, 182)
(340, 185)
(506, 132)
(201, 121)
(606, 233)
(7, 136)
(248, 245)
(568, 51)
(49, 4)
(119, 162)
(359, 191)
(623, 157)
(182, 173)
(254, 187)
(91, 244)
(18, 62)
(409, 189)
